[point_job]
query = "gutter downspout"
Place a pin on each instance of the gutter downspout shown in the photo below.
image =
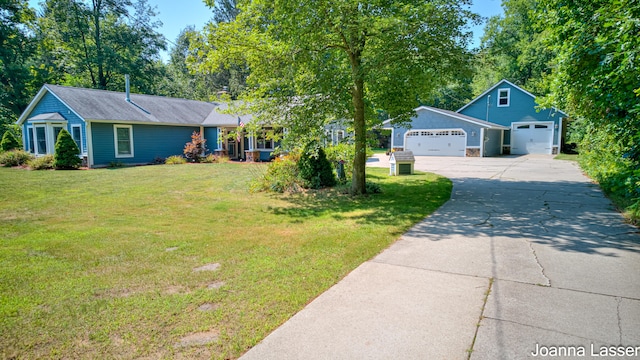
(488, 106)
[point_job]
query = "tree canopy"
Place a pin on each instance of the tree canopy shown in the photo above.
(512, 48)
(94, 43)
(16, 47)
(343, 59)
(596, 78)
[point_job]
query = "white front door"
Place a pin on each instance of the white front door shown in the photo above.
(531, 138)
(436, 142)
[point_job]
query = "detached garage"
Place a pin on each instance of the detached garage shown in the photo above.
(438, 132)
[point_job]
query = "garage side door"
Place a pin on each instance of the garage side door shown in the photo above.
(436, 142)
(532, 138)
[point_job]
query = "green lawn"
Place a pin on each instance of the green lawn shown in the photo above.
(570, 157)
(100, 263)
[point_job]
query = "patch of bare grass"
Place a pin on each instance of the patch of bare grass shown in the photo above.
(85, 272)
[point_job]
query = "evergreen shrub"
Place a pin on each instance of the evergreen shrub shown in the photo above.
(66, 152)
(9, 142)
(314, 168)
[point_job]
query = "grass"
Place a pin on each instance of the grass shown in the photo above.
(570, 157)
(100, 263)
(379, 151)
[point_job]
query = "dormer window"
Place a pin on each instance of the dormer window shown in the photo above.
(503, 97)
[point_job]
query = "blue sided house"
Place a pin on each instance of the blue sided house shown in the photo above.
(505, 119)
(111, 126)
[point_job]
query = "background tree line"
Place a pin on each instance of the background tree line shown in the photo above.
(93, 44)
(581, 57)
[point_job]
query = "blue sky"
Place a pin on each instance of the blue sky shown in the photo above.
(178, 14)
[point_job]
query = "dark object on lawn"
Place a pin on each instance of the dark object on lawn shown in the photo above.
(570, 149)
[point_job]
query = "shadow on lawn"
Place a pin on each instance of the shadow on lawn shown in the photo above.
(409, 201)
(568, 216)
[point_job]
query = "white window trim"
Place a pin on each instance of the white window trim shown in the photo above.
(115, 140)
(264, 143)
(340, 134)
(81, 143)
(48, 135)
(508, 97)
(33, 139)
(52, 135)
(36, 147)
(264, 139)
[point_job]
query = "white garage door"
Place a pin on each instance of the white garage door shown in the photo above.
(436, 142)
(532, 138)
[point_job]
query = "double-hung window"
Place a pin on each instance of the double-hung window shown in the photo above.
(503, 97)
(30, 138)
(41, 142)
(76, 133)
(123, 136)
(264, 143)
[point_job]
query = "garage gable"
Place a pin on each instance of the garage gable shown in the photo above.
(430, 118)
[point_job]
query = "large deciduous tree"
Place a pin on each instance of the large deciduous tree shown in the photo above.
(596, 78)
(512, 48)
(96, 42)
(183, 80)
(312, 62)
(16, 46)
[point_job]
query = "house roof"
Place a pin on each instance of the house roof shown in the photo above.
(103, 105)
(219, 116)
(458, 116)
(47, 116)
(501, 82)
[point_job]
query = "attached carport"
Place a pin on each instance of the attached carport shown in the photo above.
(438, 132)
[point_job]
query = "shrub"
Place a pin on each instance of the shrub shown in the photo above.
(209, 159)
(41, 163)
(115, 164)
(15, 158)
(281, 176)
(195, 149)
(372, 188)
(66, 152)
(9, 142)
(158, 160)
(344, 153)
(608, 160)
(314, 168)
(175, 160)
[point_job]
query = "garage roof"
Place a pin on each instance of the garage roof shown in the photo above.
(455, 115)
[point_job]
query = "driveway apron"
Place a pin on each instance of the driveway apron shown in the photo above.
(527, 258)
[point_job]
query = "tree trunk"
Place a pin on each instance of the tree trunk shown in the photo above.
(97, 11)
(359, 162)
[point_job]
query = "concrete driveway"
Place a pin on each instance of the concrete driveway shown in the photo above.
(527, 259)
